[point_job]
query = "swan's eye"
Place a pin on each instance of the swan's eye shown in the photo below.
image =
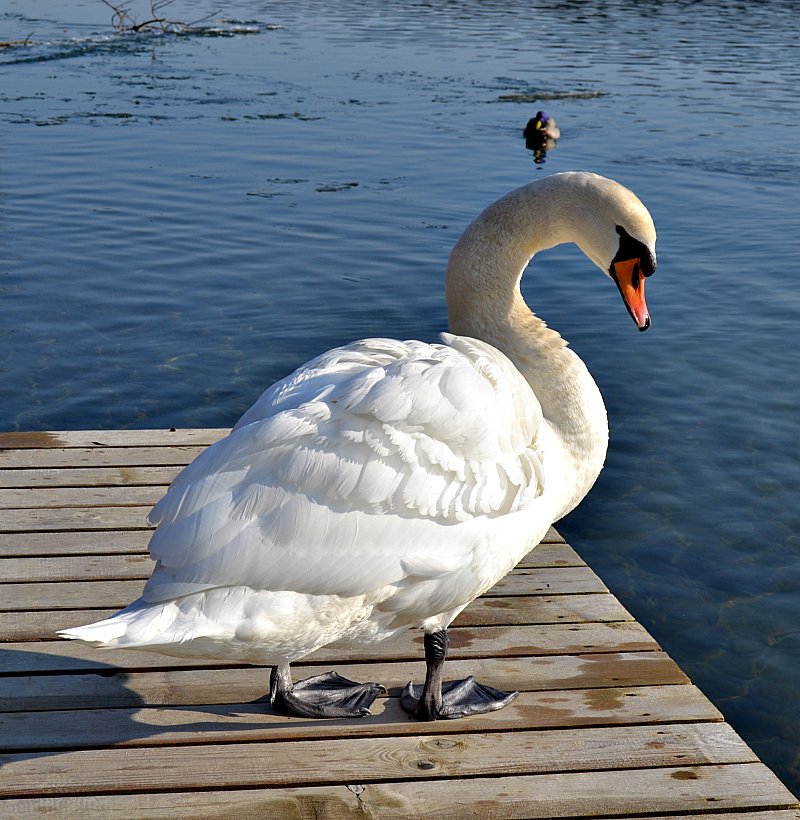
(630, 248)
(648, 264)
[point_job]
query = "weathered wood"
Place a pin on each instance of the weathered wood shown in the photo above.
(61, 439)
(98, 457)
(106, 686)
(75, 542)
(551, 554)
(681, 790)
(534, 609)
(42, 625)
(70, 595)
(465, 642)
(399, 757)
(548, 581)
(88, 477)
(249, 722)
(55, 497)
(83, 568)
(75, 518)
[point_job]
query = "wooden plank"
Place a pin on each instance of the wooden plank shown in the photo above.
(534, 609)
(75, 518)
(83, 568)
(88, 477)
(40, 626)
(59, 439)
(679, 790)
(20, 658)
(98, 457)
(552, 554)
(75, 594)
(548, 581)
(76, 542)
(404, 758)
(56, 497)
(106, 686)
(553, 536)
(249, 722)
(71, 595)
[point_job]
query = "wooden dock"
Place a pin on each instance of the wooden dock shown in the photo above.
(606, 725)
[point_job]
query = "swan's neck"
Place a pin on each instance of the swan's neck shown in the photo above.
(484, 301)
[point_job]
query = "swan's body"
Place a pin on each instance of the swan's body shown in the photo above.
(384, 485)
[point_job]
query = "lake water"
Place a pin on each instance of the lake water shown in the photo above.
(185, 219)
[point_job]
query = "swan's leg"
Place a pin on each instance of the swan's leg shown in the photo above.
(453, 699)
(323, 696)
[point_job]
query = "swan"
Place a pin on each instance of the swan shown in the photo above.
(385, 484)
(541, 128)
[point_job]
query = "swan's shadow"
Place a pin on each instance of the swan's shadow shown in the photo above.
(97, 705)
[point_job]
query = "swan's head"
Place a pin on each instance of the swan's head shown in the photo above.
(603, 218)
(631, 265)
(616, 232)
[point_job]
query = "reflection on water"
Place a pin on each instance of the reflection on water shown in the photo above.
(539, 149)
(184, 219)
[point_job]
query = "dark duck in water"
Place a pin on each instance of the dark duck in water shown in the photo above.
(541, 128)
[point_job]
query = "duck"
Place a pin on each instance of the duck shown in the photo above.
(541, 128)
(385, 484)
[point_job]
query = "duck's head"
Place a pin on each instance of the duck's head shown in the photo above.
(617, 233)
(540, 127)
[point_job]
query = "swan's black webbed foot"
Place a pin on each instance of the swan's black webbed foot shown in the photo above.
(454, 699)
(323, 696)
(460, 698)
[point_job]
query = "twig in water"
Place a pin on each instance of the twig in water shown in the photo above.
(123, 21)
(15, 43)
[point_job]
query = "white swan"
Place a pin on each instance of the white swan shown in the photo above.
(385, 484)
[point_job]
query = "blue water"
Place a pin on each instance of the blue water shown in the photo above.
(186, 218)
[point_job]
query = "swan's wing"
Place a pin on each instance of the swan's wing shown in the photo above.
(373, 463)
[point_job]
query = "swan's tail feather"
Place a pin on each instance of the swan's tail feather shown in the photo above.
(102, 633)
(137, 625)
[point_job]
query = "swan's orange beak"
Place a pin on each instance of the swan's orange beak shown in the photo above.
(628, 276)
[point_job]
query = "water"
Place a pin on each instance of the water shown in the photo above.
(184, 219)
